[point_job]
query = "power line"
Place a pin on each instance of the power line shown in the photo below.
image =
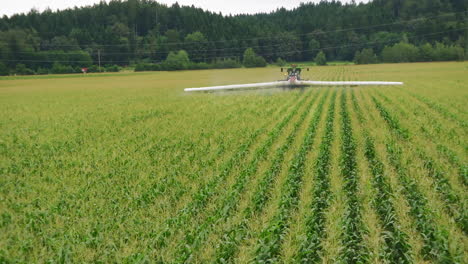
(234, 49)
(273, 53)
(266, 38)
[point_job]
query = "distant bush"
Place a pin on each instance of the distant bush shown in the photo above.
(147, 67)
(280, 62)
(58, 68)
(260, 62)
(93, 68)
(447, 53)
(366, 56)
(154, 67)
(172, 66)
(321, 59)
(21, 69)
(405, 52)
(176, 61)
(42, 71)
(77, 69)
(426, 52)
(112, 68)
(252, 60)
(179, 61)
(400, 52)
(139, 67)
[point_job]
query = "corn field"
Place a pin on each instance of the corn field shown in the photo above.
(126, 168)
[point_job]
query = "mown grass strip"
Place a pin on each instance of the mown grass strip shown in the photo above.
(228, 246)
(311, 247)
(272, 236)
(435, 240)
(355, 250)
(194, 237)
(200, 199)
(396, 248)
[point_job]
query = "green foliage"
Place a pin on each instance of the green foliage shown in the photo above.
(42, 71)
(280, 62)
(366, 56)
(147, 67)
(250, 59)
(58, 68)
(3, 69)
(381, 39)
(225, 64)
(447, 53)
(202, 66)
(313, 48)
(65, 43)
(405, 52)
(218, 64)
(401, 52)
(112, 68)
(94, 69)
(21, 69)
(196, 43)
(427, 52)
(176, 61)
(321, 59)
(286, 45)
(134, 31)
(260, 62)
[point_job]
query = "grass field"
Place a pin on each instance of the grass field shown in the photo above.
(126, 168)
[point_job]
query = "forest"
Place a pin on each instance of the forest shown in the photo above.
(153, 36)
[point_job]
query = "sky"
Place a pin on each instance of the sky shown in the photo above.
(10, 7)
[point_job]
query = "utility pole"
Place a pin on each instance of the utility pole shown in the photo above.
(99, 59)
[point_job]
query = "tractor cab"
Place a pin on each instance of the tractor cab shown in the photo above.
(293, 72)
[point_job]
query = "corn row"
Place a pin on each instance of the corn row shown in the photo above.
(272, 236)
(311, 247)
(228, 246)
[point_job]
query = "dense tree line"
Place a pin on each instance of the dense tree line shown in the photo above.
(407, 52)
(145, 32)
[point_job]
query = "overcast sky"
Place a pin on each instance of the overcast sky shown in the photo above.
(9, 7)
